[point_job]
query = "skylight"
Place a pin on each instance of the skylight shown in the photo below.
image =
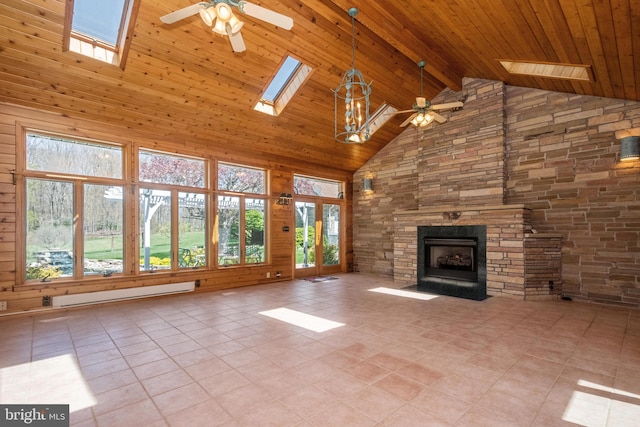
(549, 69)
(98, 20)
(280, 80)
(380, 117)
(289, 78)
(99, 29)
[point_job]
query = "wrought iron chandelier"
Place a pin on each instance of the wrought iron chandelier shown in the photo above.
(352, 100)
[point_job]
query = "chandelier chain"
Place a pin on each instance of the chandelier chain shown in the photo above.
(353, 42)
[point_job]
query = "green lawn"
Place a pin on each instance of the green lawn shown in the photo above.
(103, 247)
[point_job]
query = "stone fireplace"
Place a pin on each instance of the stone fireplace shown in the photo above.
(452, 260)
(479, 252)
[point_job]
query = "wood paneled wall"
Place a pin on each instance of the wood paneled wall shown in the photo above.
(22, 297)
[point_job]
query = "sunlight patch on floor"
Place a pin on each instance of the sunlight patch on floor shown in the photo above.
(594, 408)
(57, 380)
(405, 294)
(307, 321)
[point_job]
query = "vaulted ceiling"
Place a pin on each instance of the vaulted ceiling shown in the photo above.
(183, 82)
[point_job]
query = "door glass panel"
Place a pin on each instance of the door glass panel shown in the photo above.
(330, 234)
(228, 230)
(103, 229)
(49, 229)
(305, 234)
(155, 233)
(191, 230)
(254, 231)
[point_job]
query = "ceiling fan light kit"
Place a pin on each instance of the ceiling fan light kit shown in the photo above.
(422, 120)
(219, 15)
(423, 112)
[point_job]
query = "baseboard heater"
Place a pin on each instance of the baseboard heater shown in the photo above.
(74, 300)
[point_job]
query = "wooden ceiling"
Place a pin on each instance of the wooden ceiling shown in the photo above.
(182, 82)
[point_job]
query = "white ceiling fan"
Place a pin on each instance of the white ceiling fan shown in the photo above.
(423, 111)
(218, 14)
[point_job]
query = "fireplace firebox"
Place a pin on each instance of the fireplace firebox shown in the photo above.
(452, 261)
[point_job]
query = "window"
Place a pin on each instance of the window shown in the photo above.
(241, 179)
(78, 199)
(192, 228)
(171, 239)
(241, 217)
(100, 29)
(155, 229)
(73, 157)
(71, 183)
(162, 168)
(309, 186)
(289, 78)
(102, 229)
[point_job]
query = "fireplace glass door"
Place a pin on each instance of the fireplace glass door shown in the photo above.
(453, 258)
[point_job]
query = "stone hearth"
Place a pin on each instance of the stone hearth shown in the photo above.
(519, 263)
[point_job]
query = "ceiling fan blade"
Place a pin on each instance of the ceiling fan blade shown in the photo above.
(237, 42)
(179, 14)
(437, 117)
(406, 122)
(447, 106)
(266, 15)
(405, 111)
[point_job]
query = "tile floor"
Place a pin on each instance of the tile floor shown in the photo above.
(350, 357)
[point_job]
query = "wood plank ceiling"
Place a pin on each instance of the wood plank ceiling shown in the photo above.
(183, 82)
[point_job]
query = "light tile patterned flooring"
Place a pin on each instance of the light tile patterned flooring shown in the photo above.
(213, 359)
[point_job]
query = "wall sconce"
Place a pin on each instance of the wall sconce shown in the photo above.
(368, 185)
(284, 199)
(630, 148)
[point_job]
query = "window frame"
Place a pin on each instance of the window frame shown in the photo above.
(174, 191)
(242, 197)
(128, 184)
(78, 182)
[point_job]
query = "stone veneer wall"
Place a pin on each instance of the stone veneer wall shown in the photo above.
(563, 163)
(543, 264)
(554, 153)
(465, 164)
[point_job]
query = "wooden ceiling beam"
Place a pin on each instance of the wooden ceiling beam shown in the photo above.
(380, 19)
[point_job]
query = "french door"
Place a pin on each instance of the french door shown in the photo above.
(318, 247)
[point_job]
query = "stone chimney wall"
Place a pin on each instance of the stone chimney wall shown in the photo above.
(554, 153)
(464, 164)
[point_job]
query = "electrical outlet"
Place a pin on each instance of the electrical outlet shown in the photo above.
(197, 283)
(46, 301)
(3, 305)
(268, 275)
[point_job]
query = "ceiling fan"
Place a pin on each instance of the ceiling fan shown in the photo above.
(423, 111)
(218, 14)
